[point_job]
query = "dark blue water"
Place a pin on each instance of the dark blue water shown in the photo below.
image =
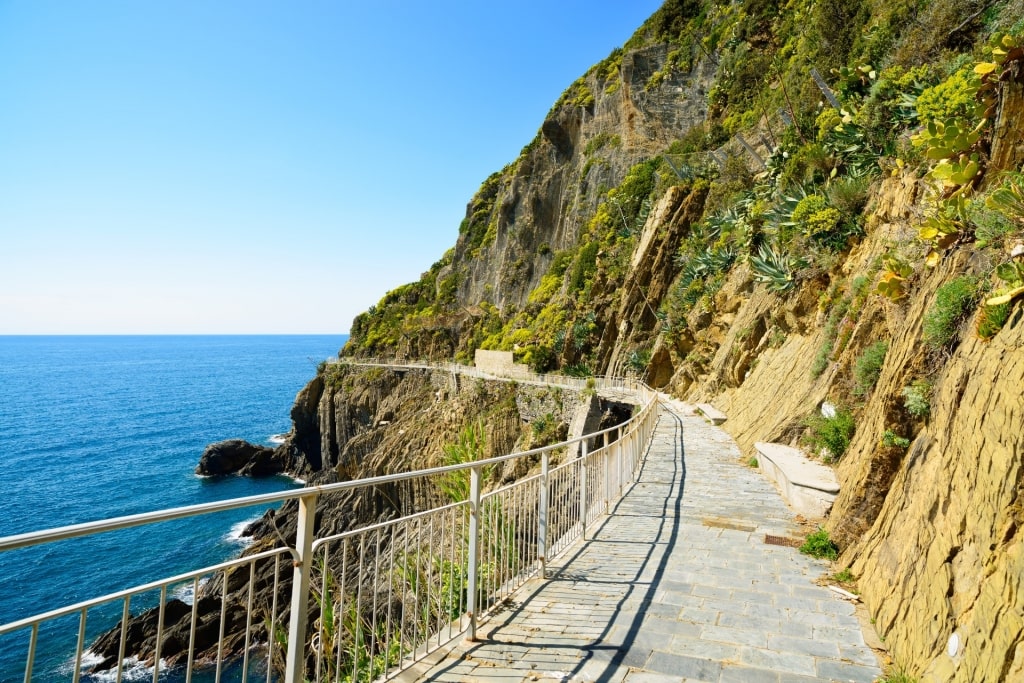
(98, 427)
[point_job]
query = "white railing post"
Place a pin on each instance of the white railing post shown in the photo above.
(607, 471)
(632, 454)
(583, 489)
(474, 551)
(295, 664)
(542, 517)
(620, 453)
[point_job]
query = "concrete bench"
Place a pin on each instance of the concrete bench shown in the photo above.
(712, 414)
(808, 487)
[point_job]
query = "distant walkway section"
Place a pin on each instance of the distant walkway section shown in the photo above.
(676, 584)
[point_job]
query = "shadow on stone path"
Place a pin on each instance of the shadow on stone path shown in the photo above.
(675, 584)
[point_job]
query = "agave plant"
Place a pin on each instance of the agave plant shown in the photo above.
(708, 263)
(905, 111)
(713, 226)
(559, 340)
(774, 269)
(781, 213)
(719, 260)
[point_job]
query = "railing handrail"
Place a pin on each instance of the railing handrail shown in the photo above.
(629, 436)
(169, 514)
(179, 578)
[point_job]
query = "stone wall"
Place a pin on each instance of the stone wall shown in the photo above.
(499, 363)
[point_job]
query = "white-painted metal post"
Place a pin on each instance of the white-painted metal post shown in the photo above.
(295, 663)
(607, 456)
(583, 489)
(474, 551)
(542, 516)
(620, 453)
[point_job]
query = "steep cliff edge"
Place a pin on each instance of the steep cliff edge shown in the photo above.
(694, 210)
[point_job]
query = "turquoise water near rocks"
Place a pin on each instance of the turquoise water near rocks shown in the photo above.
(95, 427)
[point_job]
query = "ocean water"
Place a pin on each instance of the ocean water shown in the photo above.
(96, 427)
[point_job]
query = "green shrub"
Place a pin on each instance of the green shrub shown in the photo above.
(917, 398)
(584, 267)
(845, 576)
(540, 358)
(849, 195)
(821, 358)
(638, 360)
(819, 545)
(578, 370)
(817, 220)
(832, 434)
(990, 226)
(733, 180)
(952, 303)
(868, 367)
(891, 439)
(953, 97)
(835, 317)
(826, 122)
(470, 445)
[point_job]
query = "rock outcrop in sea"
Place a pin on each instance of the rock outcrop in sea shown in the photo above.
(237, 456)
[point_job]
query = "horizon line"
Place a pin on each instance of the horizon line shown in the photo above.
(174, 334)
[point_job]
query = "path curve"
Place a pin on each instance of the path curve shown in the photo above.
(676, 584)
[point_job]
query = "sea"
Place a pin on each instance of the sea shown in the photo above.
(93, 427)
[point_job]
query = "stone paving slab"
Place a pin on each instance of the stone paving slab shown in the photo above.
(676, 584)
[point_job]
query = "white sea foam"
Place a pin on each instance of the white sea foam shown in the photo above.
(278, 438)
(131, 669)
(235, 536)
(186, 591)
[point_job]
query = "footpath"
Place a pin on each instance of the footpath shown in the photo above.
(676, 584)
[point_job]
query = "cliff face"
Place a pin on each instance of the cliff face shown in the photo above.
(541, 203)
(932, 529)
(946, 554)
(692, 210)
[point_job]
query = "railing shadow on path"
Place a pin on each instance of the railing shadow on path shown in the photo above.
(603, 658)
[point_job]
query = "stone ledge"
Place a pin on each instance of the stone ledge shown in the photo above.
(712, 414)
(808, 487)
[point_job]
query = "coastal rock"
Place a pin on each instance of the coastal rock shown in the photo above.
(239, 456)
(140, 636)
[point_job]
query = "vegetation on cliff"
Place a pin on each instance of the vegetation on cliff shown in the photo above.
(775, 204)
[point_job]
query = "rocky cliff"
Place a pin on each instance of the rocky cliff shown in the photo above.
(771, 206)
(775, 206)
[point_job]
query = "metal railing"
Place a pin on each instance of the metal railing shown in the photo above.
(371, 601)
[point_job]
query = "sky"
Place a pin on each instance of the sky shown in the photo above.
(230, 167)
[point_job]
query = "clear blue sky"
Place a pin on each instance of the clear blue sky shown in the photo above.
(259, 167)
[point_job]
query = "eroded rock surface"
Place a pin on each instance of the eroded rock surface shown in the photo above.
(237, 456)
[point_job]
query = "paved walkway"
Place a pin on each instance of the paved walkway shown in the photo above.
(677, 584)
